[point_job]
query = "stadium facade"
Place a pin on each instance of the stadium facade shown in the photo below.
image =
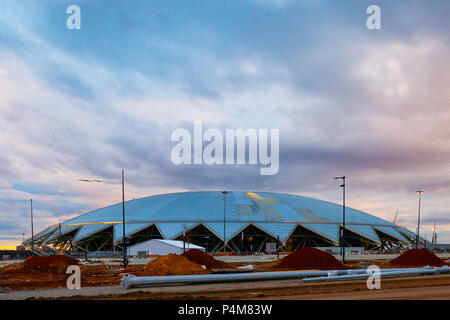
(244, 221)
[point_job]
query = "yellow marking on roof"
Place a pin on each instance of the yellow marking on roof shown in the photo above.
(88, 223)
(253, 195)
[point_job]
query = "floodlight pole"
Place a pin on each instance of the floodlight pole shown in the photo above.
(418, 219)
(125, 260)
(224, 221)
(124, 244)
(343, 218)
(32, 231)
(60, 234)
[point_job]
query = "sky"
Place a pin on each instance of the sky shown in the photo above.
(373, 105)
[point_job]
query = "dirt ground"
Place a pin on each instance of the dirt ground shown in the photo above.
(105, 275)
(91, 276)
(420, 287)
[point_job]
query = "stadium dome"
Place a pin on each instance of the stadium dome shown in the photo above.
(252, 219)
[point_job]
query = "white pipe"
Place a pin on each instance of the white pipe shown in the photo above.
(384, 273)
(132, 281)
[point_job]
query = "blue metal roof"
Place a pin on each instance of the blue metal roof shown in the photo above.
(173, 230)
(87, 230)
(393, 233)
(45, 233)
(63, 231)
(364, 231)
(282, 230)
(277, 213)
(130, 228)
(327, 230)
(231, 228)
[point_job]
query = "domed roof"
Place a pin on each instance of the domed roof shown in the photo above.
(276, 213)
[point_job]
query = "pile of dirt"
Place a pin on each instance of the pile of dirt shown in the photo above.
(309, 259)
(37, 265)
(50, 272)
(417, 258)
(172, 265)
(205, 259)
(57, 263)
(36, 273)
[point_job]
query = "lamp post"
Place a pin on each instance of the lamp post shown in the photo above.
(224, 221)
(124, 244)
(343, 218)
(434, 233)
(32, 232)
(61, 247)
(184, 240)
(418, 218)
(278, 248)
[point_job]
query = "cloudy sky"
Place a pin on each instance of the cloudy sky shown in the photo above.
(373, 105)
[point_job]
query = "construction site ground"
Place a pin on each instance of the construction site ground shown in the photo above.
(419, 287)
(101, 279)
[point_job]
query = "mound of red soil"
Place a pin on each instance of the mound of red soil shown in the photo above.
(310, 259)
(172, 265)
(417, 258)
(57, 263)
(204, 259)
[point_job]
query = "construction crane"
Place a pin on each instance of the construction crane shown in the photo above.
(395, 218)
(433, 237)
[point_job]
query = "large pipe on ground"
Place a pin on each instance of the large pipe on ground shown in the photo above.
(131, 281)
(384, 273)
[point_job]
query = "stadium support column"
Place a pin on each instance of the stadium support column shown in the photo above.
(124, 244)
(343, 220)
(342, 237)
(60, 234)
(32, 231)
